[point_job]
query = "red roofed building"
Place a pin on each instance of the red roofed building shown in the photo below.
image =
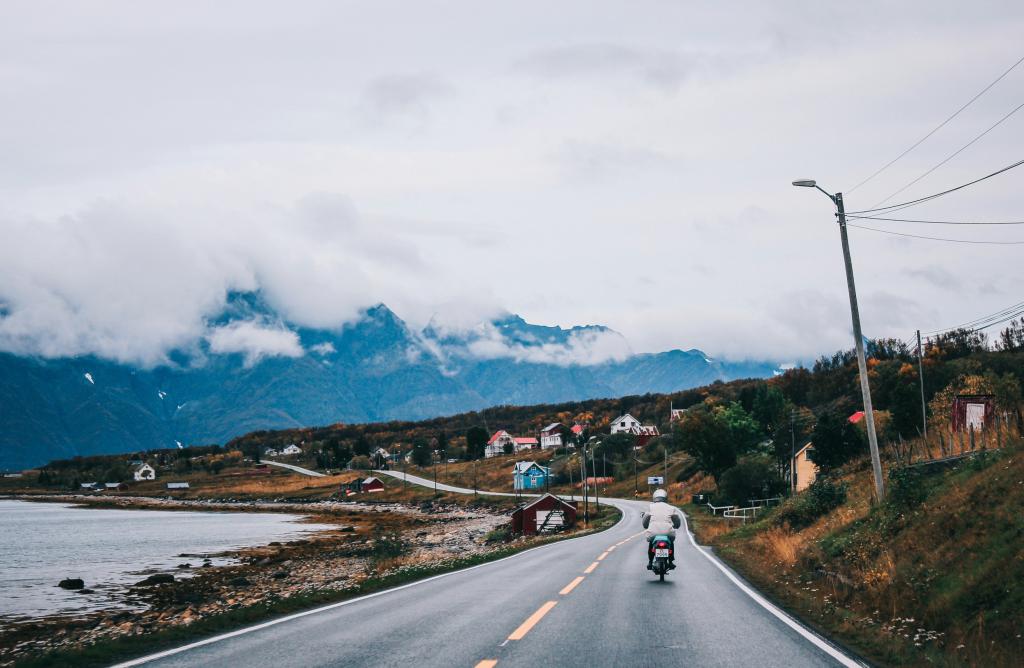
(856, 417)
(497, 445)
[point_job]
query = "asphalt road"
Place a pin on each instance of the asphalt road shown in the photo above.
(583, 602)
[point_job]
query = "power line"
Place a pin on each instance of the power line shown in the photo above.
(918, 236)
(938, 222)
(953, 154)
(892, 208)
(1008, 313)
(939, 126)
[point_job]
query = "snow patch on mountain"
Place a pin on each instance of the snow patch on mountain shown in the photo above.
(88, 377)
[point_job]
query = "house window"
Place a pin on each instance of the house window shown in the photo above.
(622, 424)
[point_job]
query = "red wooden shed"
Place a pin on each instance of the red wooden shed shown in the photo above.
(545, 514)
(372, 485)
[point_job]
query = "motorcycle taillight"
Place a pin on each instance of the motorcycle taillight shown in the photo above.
(662, 544)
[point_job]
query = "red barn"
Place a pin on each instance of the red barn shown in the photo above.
(371, 485)
(546, 514)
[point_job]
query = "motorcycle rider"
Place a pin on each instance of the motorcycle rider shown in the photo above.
(662, 519)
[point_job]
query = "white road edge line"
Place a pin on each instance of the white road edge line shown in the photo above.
(809, 635)
(273, 622)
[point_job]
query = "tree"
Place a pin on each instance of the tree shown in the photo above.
(744, 432)
(421, 455)
(360, 463)
(706, 438)
(1012, 338)
(362, 446)
(836, 441)
(618, 445)
(476, 442)
(753, 477)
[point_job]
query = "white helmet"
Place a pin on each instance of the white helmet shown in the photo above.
(660, 495)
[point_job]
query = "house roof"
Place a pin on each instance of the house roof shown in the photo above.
(645, 430)
(551, 427)
(524, 440)
(371, 479)
(856, 417)
(623, 417)
(523, 467)
(544, 496)
(809, 444)
(577, 429)
(497, 435)
(141, 466)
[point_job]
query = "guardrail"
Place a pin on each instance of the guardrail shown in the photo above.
(765, 502)
(715, 509)
(742, 513)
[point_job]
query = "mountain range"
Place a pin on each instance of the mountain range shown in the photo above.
(377, 368)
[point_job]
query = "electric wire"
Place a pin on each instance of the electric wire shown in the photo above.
(920, 200)
(939, 126)
(938, 222)
(920, 236)
(984, 322)
(953, 154)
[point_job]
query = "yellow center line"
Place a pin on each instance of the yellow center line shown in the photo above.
(572, 585)
(612, 547)
(603, 555)
(590, 568)
(532, 620)
(487, 663)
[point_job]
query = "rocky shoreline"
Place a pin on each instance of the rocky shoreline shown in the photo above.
(369, 541)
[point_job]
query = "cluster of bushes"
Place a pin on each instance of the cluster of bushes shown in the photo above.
(819, 499)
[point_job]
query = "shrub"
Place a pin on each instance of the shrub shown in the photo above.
(500, 534)
(820, 498)
(906, 488)
(387, 545)
(360, 463)
(753, 477)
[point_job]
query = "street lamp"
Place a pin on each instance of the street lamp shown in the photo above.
(865, 388)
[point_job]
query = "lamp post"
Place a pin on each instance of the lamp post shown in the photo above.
(865, 388)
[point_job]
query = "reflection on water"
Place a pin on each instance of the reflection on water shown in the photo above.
(43, 543)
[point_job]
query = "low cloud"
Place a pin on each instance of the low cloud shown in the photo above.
(255, 340)
(585, 347)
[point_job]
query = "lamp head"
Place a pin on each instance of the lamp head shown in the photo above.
(806, 183)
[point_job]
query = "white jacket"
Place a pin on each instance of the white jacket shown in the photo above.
(662, 519)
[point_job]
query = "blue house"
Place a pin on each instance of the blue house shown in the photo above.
(530, 475)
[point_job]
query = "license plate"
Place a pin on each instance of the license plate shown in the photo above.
(661, 553)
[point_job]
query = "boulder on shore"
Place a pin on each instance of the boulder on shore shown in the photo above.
(159, 578)
(71, 583)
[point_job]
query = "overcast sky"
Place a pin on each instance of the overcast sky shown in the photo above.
(621, 163)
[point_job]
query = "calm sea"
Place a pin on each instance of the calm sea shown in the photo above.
(43, 543)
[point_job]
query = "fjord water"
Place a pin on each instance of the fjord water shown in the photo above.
(43, 543)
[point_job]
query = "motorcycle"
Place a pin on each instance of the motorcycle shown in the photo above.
(661, 547)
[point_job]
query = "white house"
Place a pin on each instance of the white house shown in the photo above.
(551, 436)
(496, 446)
(624, 423)
(270, 452)
(524, 443)
(144, 472)
(292, 449)
(177, 485)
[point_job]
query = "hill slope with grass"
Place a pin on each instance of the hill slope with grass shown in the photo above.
(932, 576)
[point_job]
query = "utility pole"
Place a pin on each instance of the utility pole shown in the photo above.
(435, 472)
(636, 481)
(597, 483)
(584, 486)
(862, 364)
(664, 480)
(792, 451)
(920, 378)
(474, 480)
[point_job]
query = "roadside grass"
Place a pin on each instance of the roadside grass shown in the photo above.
(935, 575)
(396, 572)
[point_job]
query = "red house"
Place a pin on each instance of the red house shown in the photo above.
(544, 515)
(371, 485)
